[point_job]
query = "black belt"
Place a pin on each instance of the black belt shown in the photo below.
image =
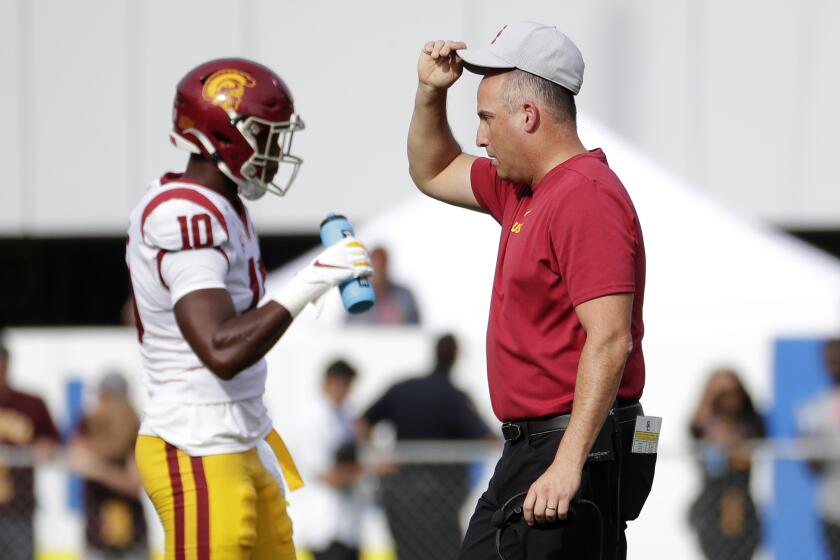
(512, 431)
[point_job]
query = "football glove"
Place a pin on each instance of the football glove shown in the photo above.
(338, 263)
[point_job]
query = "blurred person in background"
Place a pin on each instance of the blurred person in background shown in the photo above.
(101, 452)
(820, 418)
(724, 514)
(25, 425)
(395, 304)
(207, 452)
(423, 501)
(328, 509)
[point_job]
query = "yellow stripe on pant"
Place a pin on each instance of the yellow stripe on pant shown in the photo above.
(219, 507)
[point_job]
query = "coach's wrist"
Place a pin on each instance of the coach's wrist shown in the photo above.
(430, 94)
(571, 456)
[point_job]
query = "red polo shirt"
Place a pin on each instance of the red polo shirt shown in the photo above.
(573, 238)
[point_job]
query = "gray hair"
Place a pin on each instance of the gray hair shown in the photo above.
(557, 100)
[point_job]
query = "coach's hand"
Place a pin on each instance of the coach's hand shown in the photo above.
(440, 66)
(554, 489)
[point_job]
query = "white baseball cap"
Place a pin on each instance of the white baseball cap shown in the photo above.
(533, 47)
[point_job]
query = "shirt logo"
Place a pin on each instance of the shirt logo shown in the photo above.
(517, 226)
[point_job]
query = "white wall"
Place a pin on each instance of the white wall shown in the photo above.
(739, 98)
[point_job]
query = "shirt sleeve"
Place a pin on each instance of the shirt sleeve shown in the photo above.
(178, 224)
(378, 411)
(413, 317)
(594, 237)
(486, 187)
(188, 271)
(408, 303)
(44, 425)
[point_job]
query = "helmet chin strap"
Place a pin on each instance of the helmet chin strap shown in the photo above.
(251, 190)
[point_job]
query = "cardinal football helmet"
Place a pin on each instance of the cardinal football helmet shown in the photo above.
(241, 115)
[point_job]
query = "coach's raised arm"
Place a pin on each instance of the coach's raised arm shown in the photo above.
(437, 165)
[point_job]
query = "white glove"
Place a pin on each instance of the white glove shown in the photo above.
(338, 263)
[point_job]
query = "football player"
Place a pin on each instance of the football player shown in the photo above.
(198, 283)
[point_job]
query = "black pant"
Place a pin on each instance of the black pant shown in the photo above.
(581, 538)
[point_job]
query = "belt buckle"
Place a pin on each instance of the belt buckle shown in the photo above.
(511, 431)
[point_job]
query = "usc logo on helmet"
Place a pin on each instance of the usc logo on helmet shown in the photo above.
(226, 88)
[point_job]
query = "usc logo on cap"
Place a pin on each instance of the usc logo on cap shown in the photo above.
(226, 88)
(493, 42)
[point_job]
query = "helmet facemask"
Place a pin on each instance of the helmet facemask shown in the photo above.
(271, 167)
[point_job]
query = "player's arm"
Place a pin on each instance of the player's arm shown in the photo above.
(606, 321)
(436, 163)
(224, 341)
(227, 342)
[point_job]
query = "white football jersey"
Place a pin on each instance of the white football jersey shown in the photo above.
(189, 406)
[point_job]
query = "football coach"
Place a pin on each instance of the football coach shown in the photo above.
(564, 338)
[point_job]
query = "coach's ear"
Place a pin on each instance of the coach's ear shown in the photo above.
(530, 116)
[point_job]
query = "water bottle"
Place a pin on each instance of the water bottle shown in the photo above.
(357, 294)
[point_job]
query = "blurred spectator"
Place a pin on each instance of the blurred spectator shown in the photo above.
(25, 423)
(327, 510)
(724, 514)
(102, 453)
(820, 418)
(423, 502)
(395, 304)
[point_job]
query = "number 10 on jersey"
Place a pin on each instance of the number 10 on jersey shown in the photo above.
(196, 224)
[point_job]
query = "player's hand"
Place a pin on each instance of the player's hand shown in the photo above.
(440, 66)
(554, 489)
(338, 263)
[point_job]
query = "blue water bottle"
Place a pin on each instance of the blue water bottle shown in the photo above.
(357, 294)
